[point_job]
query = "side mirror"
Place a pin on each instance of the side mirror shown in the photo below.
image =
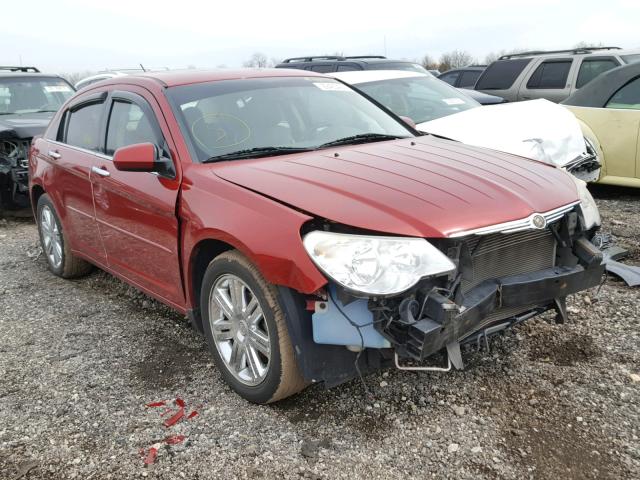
(140, 157)
(409, 121)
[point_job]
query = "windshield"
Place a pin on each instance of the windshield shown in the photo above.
(288, 113)
(30, 95)
(421, 98)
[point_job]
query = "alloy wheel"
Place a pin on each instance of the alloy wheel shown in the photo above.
(51, 239)
(239, 329)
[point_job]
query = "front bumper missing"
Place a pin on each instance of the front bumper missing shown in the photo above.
(446, 324)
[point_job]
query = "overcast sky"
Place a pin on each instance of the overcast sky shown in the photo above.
(79, 35)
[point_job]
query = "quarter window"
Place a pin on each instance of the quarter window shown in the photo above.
(627, 97)
(591, 68)
(83, 127)
(128, 125)
(450, 78)
(551, 74)
(501, 74)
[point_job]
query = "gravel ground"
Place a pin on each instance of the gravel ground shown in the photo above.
(79, 360)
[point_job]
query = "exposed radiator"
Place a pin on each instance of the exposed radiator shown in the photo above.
(500, 255)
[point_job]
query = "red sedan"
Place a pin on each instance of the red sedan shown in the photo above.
(310, 234)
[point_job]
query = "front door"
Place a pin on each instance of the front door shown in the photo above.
(136, 211)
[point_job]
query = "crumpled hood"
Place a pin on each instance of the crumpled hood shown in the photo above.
(423, 186)
(537, 129)
(24, 125)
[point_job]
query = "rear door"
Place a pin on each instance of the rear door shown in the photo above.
(136, 211)
(589, 67)
(624, 106)
(74, 153)
(549, 80)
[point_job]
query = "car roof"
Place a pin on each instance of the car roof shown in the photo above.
(574, 52)
(27, 75)
(478, 68)
(365, 76)
(598, 91)
(173, 78)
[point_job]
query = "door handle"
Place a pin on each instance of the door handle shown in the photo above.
(54, 155)
(100, 171)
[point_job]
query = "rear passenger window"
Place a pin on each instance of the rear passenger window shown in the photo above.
(591, 68)
(83, 127)
(627, 97)
(450, 78)
(550, 74)
(323, 68)
(347, 68)
(501, 74)
(469, 78)
(128, 125)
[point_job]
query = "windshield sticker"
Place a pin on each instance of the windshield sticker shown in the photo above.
(453, 101)
(332, 87)
(57, 88)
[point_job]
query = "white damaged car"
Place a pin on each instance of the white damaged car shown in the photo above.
(536, 129)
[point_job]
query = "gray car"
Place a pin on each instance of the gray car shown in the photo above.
(552, 75)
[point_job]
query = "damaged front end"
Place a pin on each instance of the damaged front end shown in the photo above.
(14, 180)
(587, 165)
(503, 276)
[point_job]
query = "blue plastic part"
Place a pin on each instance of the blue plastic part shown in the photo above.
(331, 327)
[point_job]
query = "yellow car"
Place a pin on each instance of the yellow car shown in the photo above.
(608, 109)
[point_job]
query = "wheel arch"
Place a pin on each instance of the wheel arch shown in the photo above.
(201, 256)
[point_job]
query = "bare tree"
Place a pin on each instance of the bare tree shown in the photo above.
(429, 63)
(493, 56)
(257, 60)
(455, 59)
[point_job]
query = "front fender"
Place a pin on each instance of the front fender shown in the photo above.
(265, 231)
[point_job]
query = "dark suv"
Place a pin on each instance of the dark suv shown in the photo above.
(28, 100)
(334, 63)
(464, 77)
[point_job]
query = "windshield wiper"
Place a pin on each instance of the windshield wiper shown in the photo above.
(362, 138)
(256, 153)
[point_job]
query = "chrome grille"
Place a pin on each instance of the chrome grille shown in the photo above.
(503, 254)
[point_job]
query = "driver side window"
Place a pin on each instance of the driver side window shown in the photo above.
(129, 124)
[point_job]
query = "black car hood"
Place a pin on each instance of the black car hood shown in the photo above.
(25, 125)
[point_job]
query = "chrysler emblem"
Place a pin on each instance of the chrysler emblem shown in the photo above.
(539, 222)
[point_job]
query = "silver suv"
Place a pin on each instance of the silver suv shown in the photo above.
(553, 75)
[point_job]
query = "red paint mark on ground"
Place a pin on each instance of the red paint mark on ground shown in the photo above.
(174, 440)
(156, 404)
(180, 402)
(169, 422)
(192, 414)
(152, 455)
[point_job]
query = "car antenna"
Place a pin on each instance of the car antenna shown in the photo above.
(143, 69)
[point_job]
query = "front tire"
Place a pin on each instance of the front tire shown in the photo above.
(54, 243)
(247, 332)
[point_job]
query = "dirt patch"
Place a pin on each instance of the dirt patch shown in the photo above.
(169, 363)
(562, 350)
(553, 444)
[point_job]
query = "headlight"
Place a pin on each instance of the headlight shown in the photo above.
(375, 265)
(590, 212)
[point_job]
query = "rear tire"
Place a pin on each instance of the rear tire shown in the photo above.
(247, 332)
(54, 243)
